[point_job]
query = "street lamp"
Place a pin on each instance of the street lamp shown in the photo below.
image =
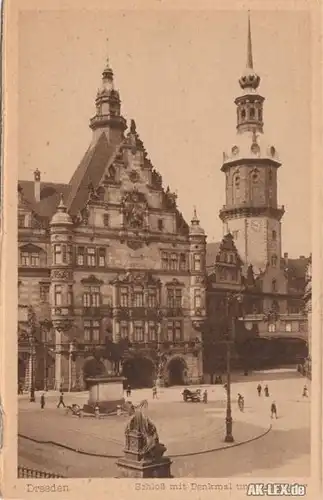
(32, 385)
(232, 300)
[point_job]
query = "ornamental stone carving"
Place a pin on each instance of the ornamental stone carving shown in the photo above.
(134, 206)
(61, 274)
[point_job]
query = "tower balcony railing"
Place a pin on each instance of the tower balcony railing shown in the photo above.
(249, 204)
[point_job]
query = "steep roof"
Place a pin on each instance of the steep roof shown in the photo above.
(89, 171)
(212, 250)
(49, 196)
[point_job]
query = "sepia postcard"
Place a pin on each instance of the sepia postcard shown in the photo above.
(161, 249)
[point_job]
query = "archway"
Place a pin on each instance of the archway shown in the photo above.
(176, 369)
(139, 372)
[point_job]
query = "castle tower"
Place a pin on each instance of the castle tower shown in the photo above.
(61, 291)
(197, 241)
(251, 212)
(108, 116)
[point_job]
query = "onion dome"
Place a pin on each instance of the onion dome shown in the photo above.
(249, 80)
(195, 228)
(61, 217)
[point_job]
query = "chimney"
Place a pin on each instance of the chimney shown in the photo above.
(37, 185)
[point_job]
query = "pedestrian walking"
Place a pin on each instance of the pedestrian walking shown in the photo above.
(61, 400)
(42, 401)
(155, 392)
(259, 389)
(273, 410)
(266, 390)
(205, 396)
(128, 391)
(305, 392)
(240, 402)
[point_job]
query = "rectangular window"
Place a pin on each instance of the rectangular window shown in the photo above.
(96, 332)
(95, 296)
(44, 293)
(64, 254)
(24, 256)
(106, 220)
(58, 295)
(92, 331)
(272, 327)
(70, 295)
(174, 262)
(87, 331)
(170, 297)
(91, 257)
(170, 331)
(165, 261)
(182, 262)
(197, 262)
(124, 330)
(102, 254)
(152, 298)
(138, 298)
(288, 327)
(57, 254)
(152, 331)
(86, 299)
(178, 331)
(178, 298)
(80, 256)
(160, 224)
(138, 332)
(69, 254)
(197, 299)
(34, 260)
(21, 221)
(124, 302)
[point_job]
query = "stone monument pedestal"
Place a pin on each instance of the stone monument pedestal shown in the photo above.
(136, 463)
(106, 392)
(144, 469)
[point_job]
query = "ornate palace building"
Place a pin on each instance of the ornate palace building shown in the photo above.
(108, 260)
(249, 260)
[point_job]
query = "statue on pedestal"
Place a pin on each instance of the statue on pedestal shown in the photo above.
(150, 448)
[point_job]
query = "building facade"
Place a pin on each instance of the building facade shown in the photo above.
(249, 259)
(108, 261)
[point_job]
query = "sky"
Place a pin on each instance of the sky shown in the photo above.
(177, 73)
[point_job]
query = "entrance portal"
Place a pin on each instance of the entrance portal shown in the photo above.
(176, 371)
(139, 372)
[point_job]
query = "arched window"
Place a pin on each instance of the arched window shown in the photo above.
(237, 181)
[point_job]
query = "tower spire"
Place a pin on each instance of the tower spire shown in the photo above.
(249, 45)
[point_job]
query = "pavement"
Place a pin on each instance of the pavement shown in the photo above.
(192, 432)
